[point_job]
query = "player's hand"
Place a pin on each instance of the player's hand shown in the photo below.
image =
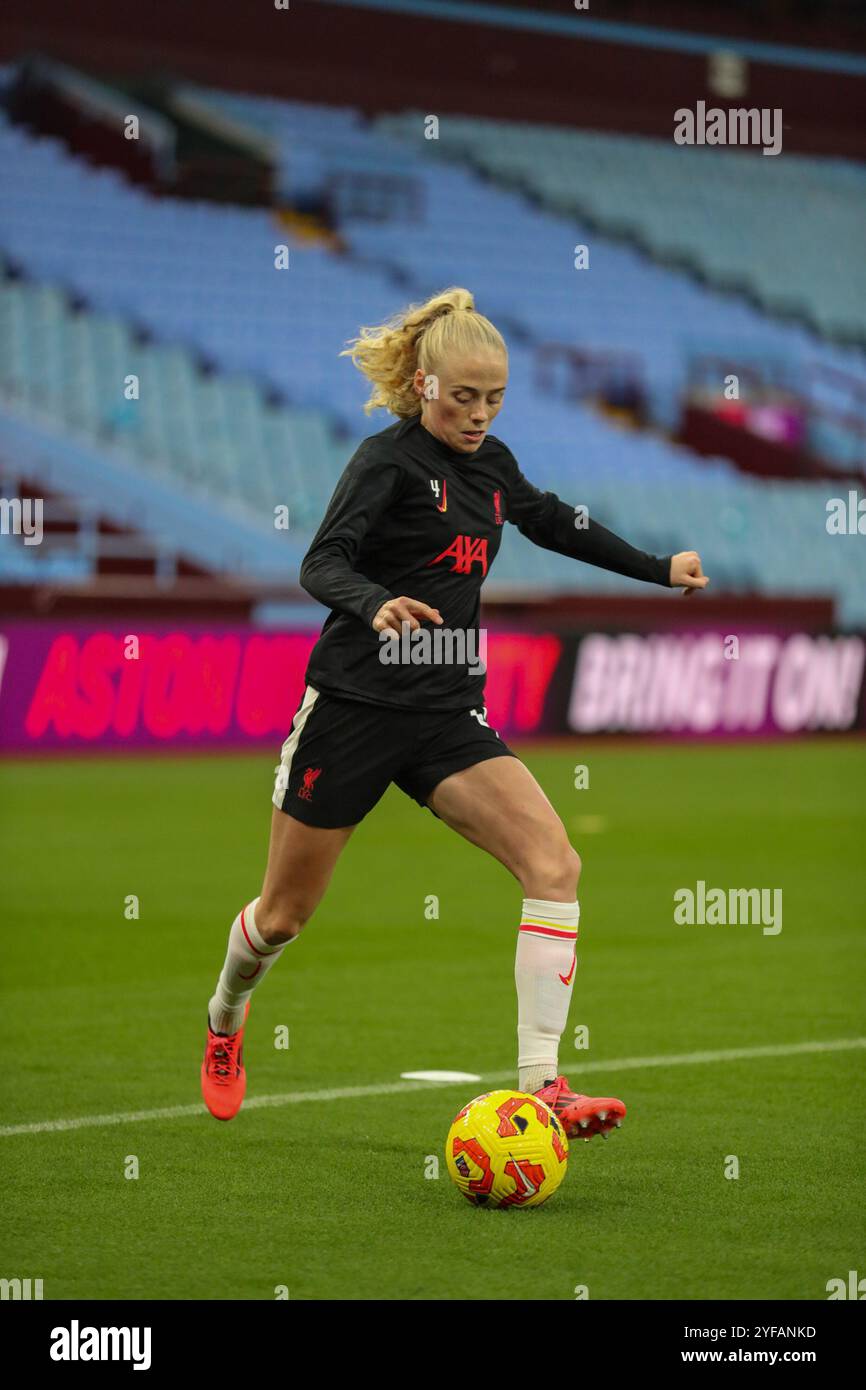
(686, 572)
(404, 610)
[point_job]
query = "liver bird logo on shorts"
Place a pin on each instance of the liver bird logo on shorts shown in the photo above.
(306, 788)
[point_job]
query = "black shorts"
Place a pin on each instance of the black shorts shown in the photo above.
(342, 755)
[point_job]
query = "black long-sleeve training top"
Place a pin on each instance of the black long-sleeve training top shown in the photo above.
(411, 516)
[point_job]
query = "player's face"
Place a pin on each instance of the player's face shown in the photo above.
(470, 394)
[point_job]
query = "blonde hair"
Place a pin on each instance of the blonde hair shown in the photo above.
(419, 336)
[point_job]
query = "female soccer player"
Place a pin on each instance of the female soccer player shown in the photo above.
(406, 543)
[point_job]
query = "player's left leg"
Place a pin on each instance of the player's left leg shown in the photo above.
(498, 805)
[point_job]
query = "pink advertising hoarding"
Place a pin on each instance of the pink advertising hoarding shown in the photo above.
(712, 683)
(75, 686)
(79, 685)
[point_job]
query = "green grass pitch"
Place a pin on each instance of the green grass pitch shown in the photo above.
(103, 1015)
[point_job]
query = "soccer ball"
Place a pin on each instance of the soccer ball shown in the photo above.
(507, 1149)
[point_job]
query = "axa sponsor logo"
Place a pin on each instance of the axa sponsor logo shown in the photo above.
(465, 551)
(77, 1343)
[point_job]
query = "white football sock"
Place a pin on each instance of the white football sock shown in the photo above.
(544, 973)
(248, 960)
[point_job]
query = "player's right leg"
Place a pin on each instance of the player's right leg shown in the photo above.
(301, 860)
(335, 764)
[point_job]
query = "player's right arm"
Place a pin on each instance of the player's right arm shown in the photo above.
(368, 486)
(404, 610)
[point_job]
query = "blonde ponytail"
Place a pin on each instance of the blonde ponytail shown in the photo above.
(420, 336)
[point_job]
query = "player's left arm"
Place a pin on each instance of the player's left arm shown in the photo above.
(551, 523)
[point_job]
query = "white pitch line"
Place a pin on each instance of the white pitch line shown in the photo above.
(396, 1088)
